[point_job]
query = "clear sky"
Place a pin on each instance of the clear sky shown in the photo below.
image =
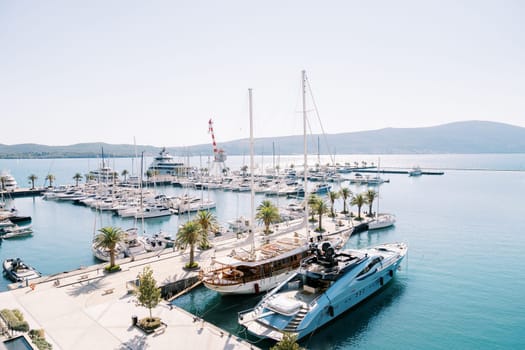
(111, 71)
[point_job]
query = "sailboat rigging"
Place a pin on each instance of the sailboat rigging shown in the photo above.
(265, 267)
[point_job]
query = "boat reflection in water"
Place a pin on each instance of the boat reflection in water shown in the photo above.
(347, 331)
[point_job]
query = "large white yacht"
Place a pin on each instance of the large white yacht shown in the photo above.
(104, 174)
(8, 182)
(328, 284)
(165, 164)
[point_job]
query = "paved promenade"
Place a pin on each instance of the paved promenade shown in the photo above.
(90, 309)
(87, 309)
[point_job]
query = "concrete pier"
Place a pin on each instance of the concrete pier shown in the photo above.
(87, 308)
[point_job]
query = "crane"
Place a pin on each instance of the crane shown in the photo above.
(219, 155)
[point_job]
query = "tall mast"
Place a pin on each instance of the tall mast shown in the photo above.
(273, 157)
(252, 197)
(305, 156)
(318, 151)
(378, 185)
(141, 191)
(133, 165)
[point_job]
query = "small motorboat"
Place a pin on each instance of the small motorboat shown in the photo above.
(18, 219)
(15, 231)
(18, 271)
(5, 223)
(158, 241)
(415, 171)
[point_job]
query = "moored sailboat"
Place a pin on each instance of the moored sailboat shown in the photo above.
(262, 269)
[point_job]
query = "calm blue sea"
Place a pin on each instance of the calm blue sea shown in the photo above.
(461, 286)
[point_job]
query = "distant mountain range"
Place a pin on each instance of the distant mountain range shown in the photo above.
(460, 137)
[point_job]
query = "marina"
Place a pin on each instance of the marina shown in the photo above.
(373, 203)
(61, 243)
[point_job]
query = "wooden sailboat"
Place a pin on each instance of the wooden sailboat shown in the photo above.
(263, 268)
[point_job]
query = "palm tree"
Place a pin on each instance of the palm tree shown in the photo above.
(332, 196)
(114, 176)
(359, 200)
(345, 193)
(50, 178)
(208, 222)
(77, 177)
(108, 238)
(320, 209)
(3, 179)
(190, 234)
(244, 170)
(267, 213)
(313, 201)
(89, 177)
(125, 174)
(370, 196)
(32, 178)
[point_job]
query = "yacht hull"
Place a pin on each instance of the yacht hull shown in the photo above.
(382, 221)
(252, 287)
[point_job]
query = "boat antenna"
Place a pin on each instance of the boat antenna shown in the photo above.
(103, 163)
(305, 145)
(252, 196)
(273, 157)
(133, 165)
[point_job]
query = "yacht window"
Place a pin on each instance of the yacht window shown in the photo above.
(369, 266)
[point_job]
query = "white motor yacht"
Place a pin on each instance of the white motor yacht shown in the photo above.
(8, 183)
(165, 164)
(329, 283)
(154, 211)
